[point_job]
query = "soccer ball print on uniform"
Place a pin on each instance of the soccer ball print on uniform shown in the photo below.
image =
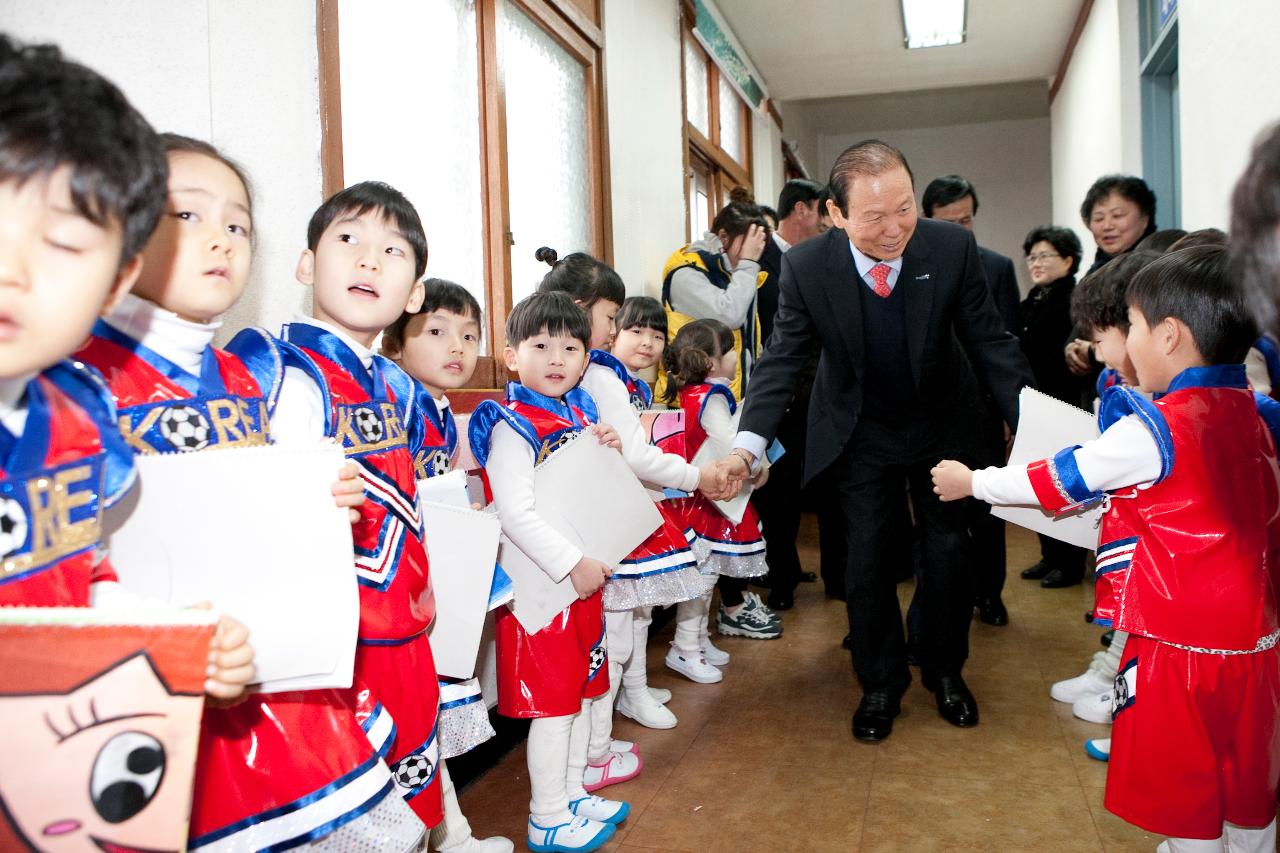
(185, 428)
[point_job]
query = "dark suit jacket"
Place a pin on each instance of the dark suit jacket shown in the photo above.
(1002, 279)
(949, 313)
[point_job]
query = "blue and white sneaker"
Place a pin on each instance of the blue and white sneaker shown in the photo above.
(578, 835)
(752, 620)
(598, 808)
(1098, 748)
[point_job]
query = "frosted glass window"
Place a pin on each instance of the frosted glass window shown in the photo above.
(695, 87)
(731, 122)
(411, 117)
(699, 203)
(547, 154)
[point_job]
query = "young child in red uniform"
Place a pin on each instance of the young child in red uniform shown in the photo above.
(1186, 560)
(82, 183)
(155, 350)
(438, 346)
(700, 362)
(549, 676)
(365, 253)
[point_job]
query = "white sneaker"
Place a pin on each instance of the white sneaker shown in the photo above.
(1098, 748)
(578, 834)
(1089, 683)
(598, 808)
(660, 695)
(714, 656)
(1094, 709)
(497, 844)
(693, 668)
(622, 746)
(614, 768)
(649, 714)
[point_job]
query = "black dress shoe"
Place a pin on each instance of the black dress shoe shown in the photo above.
(1036, 572)
(847, 642)
(780, 600)
(956, 704)
(1058, 579)
(873, 721)
(992, 611)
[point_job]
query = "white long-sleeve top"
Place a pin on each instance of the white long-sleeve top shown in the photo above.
(300, 413)
(651, 465)
(720, 424)
(694, 295)
(510, 472)
(182, 342)
(1124, 455)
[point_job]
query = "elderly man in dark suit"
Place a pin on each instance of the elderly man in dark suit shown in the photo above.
(896, 304)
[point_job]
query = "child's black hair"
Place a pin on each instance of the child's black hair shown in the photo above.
(693, 354)
(1160, 241)
(644, 312)
(359, 199)
(54, 113)
(1202, 237)
(175, 143)
(1255, 228)
(1196, 286)
(582, 277)
(438, 295)
(549, 312)
(1099, 302)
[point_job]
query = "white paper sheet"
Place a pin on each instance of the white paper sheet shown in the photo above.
(449, 489)
(587, 493)
(255, 532)
(462, 545)
(1045, 426)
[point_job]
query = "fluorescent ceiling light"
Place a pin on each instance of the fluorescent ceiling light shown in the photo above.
(933, 23)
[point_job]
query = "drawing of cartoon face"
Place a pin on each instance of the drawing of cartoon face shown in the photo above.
(106, 766)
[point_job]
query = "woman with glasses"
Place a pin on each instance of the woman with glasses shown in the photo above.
(1044, 320)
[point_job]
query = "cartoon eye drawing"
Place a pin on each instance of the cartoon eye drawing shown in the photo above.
(126, 775)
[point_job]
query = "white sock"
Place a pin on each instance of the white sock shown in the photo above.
(1191, 845)
(635, 677)
(1243, 840)
(454, 829)
(548, 757)
(691, 620)
(579, 737)
(619, 630)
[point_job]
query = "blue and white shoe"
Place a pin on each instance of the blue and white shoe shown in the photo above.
(576, 836)
(598, 808)
(1098, 748)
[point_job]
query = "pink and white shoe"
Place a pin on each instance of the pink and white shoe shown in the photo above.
(615, 768)
(616, 745)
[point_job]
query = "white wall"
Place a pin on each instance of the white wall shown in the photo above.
(1007, 162)
(1229, 76)
(646, 163)
(239, 73)
(766, 158)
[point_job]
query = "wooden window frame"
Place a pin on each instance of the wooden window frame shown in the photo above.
(577, 26)
(726, 172)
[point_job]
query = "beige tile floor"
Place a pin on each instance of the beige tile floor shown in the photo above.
(764, 761)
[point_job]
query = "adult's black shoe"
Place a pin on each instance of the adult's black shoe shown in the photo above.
(781, 600)
(956, 704)
(1036, 572)
(1058, 579)
(873, 721)
(992, 610)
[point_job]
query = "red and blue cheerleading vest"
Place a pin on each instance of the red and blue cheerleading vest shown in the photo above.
(56, 479)
(1187, 560)
(368, 413)
(549, 672)
(275, 770)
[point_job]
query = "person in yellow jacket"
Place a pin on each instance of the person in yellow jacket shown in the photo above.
(717, 277)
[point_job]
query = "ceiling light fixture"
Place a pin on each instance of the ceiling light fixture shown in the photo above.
(933, 23)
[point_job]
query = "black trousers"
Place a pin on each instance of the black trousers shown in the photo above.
(778, 503)
(869, 478)
(1067, 558)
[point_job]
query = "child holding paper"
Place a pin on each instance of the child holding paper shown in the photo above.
(1186, 560)
(663, 569)
(549, 676)
(438, 346)
(365, 252)
(699, 363)
(177, 393)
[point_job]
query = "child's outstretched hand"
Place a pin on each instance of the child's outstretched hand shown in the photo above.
(952, 480)
(714, 483)
(588, 576)
(761, 478)
(607, 435)
(349, 490)
(230, 660)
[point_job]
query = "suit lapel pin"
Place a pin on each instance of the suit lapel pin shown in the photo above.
(923, 277)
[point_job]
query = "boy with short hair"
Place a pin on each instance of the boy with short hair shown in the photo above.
(1186, 560)
(82, 184)
(549, 675)
(365, 252)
